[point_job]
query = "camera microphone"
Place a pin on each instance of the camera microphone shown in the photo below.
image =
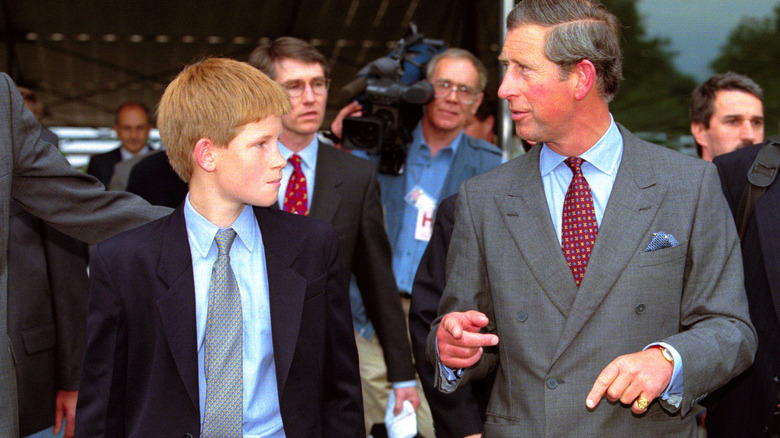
(351, 90)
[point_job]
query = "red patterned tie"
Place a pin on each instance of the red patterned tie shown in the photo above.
(579, 228)
(296, 199)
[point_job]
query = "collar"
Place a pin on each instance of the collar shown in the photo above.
(308, 154)
(418, 141)
(604, 155)
(126, 155)
(202, 232)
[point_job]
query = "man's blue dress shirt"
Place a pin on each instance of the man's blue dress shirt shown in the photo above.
(429, 173)
(261, 416)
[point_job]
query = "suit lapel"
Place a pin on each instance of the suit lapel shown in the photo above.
(526, 214)
(286, 292)
(767, 210)
(326, 197)
(632, 205)
(176, 304)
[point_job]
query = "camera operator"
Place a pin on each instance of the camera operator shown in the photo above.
(440, 158)
(347, 196)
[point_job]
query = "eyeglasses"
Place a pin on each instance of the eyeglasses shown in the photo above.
(296, 88)
(442, 88)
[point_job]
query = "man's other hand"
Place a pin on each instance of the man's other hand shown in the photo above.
(402, 394)
(460, 343)
(65, 405)
(628, 377)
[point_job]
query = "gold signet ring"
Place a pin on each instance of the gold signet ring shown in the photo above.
(642, 403)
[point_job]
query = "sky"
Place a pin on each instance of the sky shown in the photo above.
(698, 28)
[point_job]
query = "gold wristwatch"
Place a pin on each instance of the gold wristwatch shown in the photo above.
(667, 354)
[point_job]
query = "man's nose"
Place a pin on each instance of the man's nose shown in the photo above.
(308, 93)
(747, 133)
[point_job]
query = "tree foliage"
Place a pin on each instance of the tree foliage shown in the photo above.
(654, 95)
(753, 49)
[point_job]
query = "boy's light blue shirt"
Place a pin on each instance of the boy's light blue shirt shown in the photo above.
(261, 412)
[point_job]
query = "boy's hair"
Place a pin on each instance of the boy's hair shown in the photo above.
(214, 99)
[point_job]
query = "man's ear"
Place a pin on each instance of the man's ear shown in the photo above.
(477, 102)
(203, 153)
(698, 130)
(585, 78)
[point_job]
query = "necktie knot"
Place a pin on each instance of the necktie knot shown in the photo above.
(575, 164)
(295, 160)
(224, 239)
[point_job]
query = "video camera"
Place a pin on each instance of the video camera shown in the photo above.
(392, 92)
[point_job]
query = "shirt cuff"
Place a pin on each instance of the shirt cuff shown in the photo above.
(404, 384)
(450, 375)
(674, 392)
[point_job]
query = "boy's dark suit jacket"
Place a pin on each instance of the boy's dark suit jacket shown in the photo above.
(140, 373)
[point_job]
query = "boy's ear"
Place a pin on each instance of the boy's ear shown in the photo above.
(204, 154)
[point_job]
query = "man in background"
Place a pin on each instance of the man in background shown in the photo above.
(132, 127)
(47, 303)
(36, 175)
(727, 113)
(748, 405)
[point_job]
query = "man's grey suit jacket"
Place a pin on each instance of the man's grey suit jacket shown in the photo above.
(35, 174)
(505, 260)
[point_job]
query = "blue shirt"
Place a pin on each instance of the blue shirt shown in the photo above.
(308, 165)
(428, 173)
(262, 417)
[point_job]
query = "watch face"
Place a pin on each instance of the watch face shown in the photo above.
(668, 355)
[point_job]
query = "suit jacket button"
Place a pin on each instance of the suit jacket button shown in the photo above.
(552, 383)
(522, 316)
(776, 378)
(640, 309)
(187, 435)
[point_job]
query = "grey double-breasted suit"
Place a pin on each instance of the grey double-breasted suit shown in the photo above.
(555, 338)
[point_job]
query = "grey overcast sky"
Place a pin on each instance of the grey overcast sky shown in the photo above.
(698, 28)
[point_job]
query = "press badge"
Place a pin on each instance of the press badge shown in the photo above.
(426, 208)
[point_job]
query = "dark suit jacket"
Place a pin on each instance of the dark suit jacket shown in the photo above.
(34, 173)
(140, 374)
(47, 313)
(154, 179)
(346, 194)
(744, 406)
(101, 166)
(462, 412)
